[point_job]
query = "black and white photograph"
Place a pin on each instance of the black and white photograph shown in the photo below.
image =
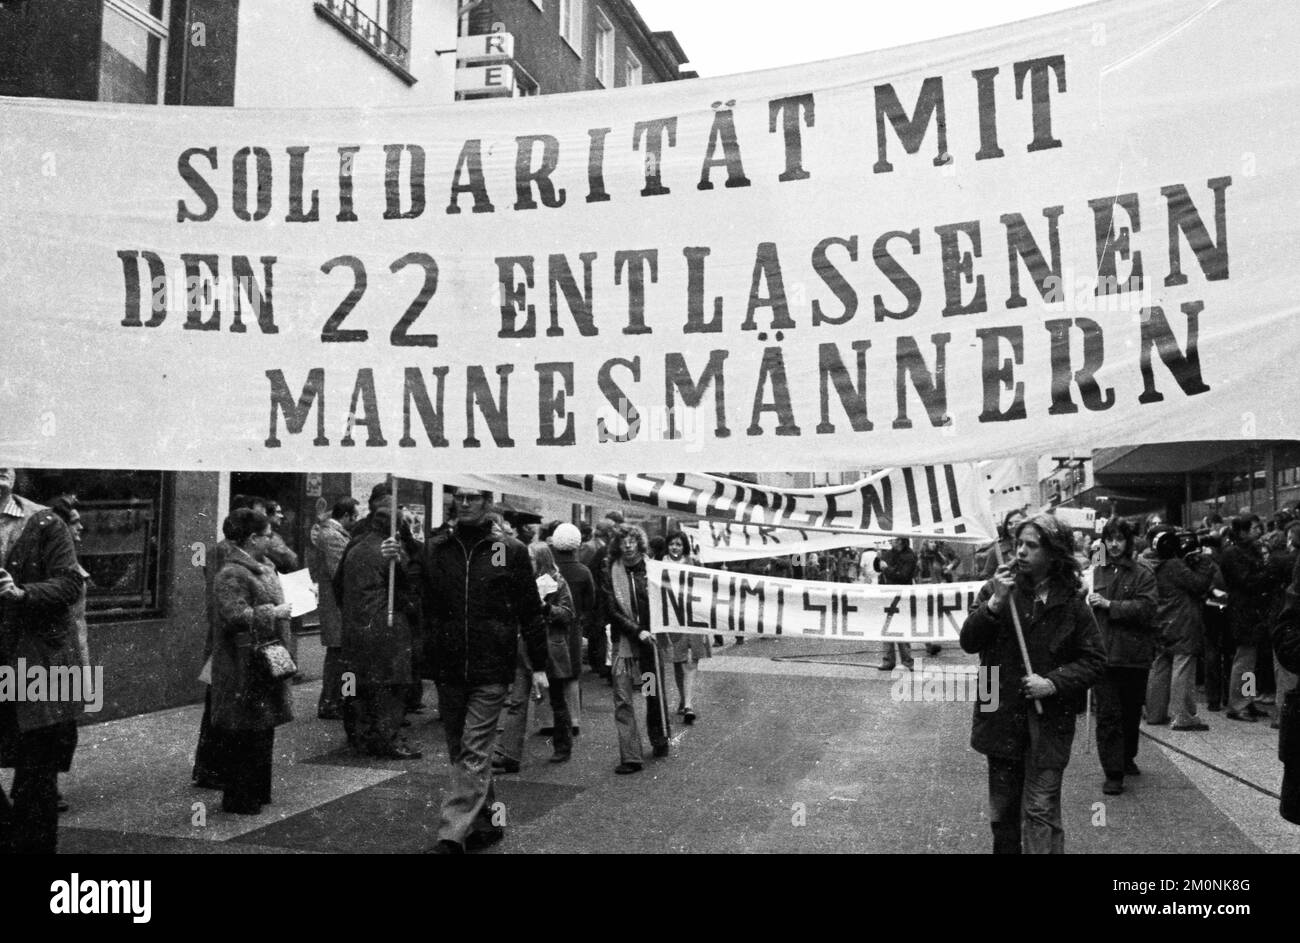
(519, 427)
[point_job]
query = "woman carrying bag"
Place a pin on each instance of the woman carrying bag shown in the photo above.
(251, 670)
(563, 661)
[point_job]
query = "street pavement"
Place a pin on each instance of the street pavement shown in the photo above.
(799, 747)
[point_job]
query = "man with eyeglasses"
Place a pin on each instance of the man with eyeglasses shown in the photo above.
(479, 597)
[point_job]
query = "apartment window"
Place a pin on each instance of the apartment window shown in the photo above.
(571, 23)
(382, 27)
(133, 51)
(604, 63)
(632, 70)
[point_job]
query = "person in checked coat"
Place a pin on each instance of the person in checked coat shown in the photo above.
(1028, 751)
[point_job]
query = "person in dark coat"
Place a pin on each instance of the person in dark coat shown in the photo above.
(377, 654)
(1219, 646)
(478, 597)
(247, 703)
(566, 541)
(329, 540)
(1123, 601)
(897, 567)
(1283, 565)
(1246, 577)
(1182, 586)
(39, 585)
(1286, 648)
(1027, 752)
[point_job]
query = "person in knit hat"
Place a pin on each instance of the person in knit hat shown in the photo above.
(565, 542)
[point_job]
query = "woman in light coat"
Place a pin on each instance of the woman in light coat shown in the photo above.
(684, 649)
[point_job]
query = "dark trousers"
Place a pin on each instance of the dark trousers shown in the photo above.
(597, 649)
(658, 729)
(1265, 682)
(1119, 709)
(248, 777)
(562, 736)
(414, 695)
(29, 825)
(210, 756)
(379, 712)
(331, 687)
(1218, 657)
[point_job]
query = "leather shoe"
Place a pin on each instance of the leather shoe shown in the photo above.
(484, 838)
(241, 808)
(208, 782)
(1131, 769)
(623, 769)
(688, 717)
(560, 758)
(1256, 712)
(401, 752)
(1197, 725)
(445, 846)
(501, 764)
(1113, 787)
(1237, 715)
(661, 750)
(887, 666)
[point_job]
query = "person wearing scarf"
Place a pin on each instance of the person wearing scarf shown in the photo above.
(626, 598)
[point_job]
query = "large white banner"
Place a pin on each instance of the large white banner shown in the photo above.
(724, 543)
(703, 601)
(943, 500)
(1074, 230)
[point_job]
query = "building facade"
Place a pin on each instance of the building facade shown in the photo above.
(148, 533)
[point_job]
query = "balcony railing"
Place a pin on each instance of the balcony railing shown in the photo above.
(346, 14)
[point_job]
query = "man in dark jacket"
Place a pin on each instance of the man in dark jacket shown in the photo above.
(897, 567)
(39, 584)
(1246, 577)
(1123, 601)
(479, 595)
(1286, 647)
(1028, 751)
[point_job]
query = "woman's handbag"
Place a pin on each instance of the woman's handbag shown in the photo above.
(274, 659)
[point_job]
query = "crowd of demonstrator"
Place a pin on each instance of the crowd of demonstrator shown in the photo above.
(497, 619)
(591, 597)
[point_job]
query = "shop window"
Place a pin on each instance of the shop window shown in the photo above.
(133, 51)
(123, 514)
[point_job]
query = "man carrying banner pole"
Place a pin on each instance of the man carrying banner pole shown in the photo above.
(1028, 751)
